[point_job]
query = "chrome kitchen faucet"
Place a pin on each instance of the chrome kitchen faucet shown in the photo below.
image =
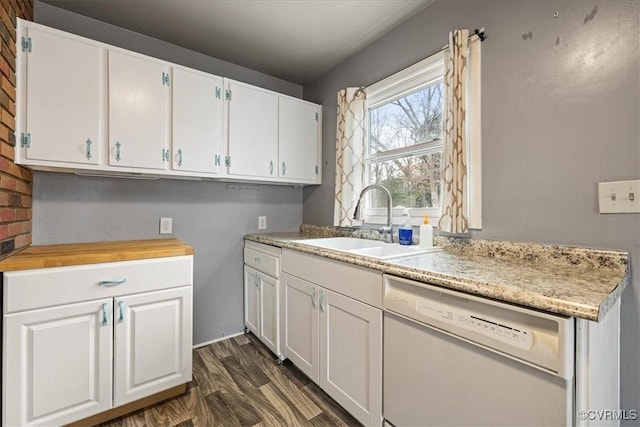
(388, 230)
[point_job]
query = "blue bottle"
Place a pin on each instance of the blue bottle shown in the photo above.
(405, 232)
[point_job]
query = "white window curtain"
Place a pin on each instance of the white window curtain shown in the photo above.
(453, 217)
(350, 152)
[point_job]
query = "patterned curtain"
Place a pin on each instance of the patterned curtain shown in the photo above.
(350, 152)
(453, 219)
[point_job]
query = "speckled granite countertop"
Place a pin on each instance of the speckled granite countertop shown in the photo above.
(577, 282)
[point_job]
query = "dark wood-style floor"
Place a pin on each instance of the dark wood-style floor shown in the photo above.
(236, 382)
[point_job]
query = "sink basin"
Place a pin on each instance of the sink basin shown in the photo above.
(342, 243)
(370, 248)
(389, 251)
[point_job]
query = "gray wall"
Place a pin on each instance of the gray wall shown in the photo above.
(206, 215)
(560, 112)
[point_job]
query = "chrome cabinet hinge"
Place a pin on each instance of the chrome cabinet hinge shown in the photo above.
(216, 160)
(316, 169)
(317, 117)
(165, 79)
(26, 44)
(25, 140)
(227, 161)
(218, 92)
(227, 95)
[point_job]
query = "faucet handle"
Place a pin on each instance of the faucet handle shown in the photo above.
(388, 231)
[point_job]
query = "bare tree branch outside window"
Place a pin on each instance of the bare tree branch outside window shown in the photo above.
(414, 180)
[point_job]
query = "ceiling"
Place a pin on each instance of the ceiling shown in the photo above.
(296, 40)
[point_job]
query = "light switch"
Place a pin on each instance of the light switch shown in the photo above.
(619, 196)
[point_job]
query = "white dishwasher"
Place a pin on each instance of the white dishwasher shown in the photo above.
(452, 359)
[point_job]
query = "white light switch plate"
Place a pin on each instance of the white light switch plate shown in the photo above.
(619, 196)
(262, 222)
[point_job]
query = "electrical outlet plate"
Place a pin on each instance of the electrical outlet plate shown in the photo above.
(619, 196)
(262, 222)
(166, 225)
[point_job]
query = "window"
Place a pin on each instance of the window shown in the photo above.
(405, 141)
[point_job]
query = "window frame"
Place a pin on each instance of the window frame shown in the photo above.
(412, 79)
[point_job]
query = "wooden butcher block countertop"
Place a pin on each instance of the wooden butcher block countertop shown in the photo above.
(93, 253)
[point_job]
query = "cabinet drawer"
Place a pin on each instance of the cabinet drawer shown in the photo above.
(263, 262)
(44, 287)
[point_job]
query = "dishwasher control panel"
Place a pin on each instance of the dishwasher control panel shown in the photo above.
(508, 333)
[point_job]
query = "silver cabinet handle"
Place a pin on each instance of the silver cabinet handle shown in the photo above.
(118, 145)
(121, 309)
(179, 158)
(88, 142)
(284, 168)
(314, 295)
(105, 318)
(109, 283)
(271, 167)
(322, 298)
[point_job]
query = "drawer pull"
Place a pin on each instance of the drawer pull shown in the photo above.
(322, 296)
(121, 307)
(314, 295)
(109, 283)
(105, 320)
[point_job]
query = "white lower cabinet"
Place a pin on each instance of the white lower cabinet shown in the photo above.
(301, 329)
(152, 343)
(58, 363)
(351, 355)
(333, 338)
(129, 337)
(262, 294)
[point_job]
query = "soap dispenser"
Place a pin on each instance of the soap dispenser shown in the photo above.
(426, 233)
(405, 232)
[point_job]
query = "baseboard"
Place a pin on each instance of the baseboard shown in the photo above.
(217, 340)
(130, 407)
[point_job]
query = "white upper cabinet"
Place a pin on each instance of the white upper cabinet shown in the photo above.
(107, 110)
(58, 117)
(197, 122)
(139, 95)
(252, 117)
(299, 142)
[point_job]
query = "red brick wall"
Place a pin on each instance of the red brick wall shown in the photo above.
(15, 181)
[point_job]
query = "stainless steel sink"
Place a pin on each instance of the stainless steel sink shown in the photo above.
(369, 248)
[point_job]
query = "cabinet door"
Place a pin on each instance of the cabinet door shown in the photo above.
(138, 111)
(351, 355)
(197, 122)
(252, 131)
(301, 324)
(252, 300)
(57, 366)
(63, 97)
(299, 140)
(152, 343)
(269, 324)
